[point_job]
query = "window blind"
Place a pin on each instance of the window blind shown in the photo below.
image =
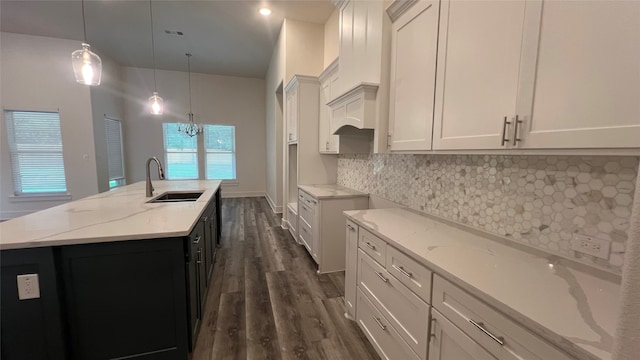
(220, 152)
(35, 146)
(114, 149)
(181, 153)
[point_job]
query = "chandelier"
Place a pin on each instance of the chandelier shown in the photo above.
(190, 128)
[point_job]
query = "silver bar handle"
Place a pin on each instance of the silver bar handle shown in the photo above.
(403, 271)
(515, 133)
(504, 139)
(351, 227)
(199, 261)
(382, 326)
(197, 240)
(372, 247)
(480, 326)
(382, 277)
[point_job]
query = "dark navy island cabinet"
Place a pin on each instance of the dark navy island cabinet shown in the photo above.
(136, 299)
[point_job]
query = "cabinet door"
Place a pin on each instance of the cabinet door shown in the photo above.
(588, 76)
(413, 76)
(324, 130)
(347, 52)
(449, 343)
(350, 279)
(334, 140)
(292, 115)
(483, 74)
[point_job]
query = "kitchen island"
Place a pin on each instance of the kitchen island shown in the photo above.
(118, 276)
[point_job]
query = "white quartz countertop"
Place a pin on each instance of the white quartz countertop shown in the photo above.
(574, 309)
(330, 191)
(121, 214)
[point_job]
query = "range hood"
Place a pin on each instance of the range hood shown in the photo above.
(354, 112)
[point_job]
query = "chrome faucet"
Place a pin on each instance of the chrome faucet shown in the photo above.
(160, 175)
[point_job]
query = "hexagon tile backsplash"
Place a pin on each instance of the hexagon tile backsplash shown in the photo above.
(538, 200)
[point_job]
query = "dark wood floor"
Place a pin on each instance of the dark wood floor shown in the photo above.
(266, 300)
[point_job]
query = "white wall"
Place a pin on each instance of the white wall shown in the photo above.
(37, 75)
(217, 99)
(106, 100)
(331, 38)
(304, 50)
(273, 123)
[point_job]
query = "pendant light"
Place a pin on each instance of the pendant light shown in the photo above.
(87, 66)
(190, 129)
(156, 104)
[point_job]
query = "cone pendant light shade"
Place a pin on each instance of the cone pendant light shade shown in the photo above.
(87, 66)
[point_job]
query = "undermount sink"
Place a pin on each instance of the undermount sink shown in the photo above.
(177, 196)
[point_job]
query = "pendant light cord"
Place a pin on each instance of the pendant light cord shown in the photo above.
(153, 49)
(84, 23)
(189, 72)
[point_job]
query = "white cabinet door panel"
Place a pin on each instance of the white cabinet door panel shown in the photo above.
(587, 87)
(413, 76)
(479, 70)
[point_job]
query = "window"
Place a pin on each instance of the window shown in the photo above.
(181, 153)
(35, 147)
(115, 159)
(220, 152)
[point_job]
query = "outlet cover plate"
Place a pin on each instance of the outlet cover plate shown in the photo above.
(591, 246)
(28, 286)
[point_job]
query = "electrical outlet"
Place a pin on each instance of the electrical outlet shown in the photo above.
(28, 286)
(591, 246)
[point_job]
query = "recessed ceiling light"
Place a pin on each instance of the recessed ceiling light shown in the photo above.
(265, 11)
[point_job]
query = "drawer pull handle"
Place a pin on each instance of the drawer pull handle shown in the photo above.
(403, 271)
(197, 239)
(480, 326)
(382, 277)
(372, 247)
(382, 326)
(351, 227)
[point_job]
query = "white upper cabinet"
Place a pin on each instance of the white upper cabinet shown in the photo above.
(328, 143)
(587, 85)
(413, 74)
(483, 73)
(291, 114)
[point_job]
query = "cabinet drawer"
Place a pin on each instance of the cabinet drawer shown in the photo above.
(495, 332)
(385, 338)
(293, 219)
(407, 313)
(306, 207)
(306, 236)
(372, 245)
(448, 342)
(411, 273)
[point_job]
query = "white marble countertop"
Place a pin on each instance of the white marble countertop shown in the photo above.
(331, 191)
(120, 214)
(573, 309)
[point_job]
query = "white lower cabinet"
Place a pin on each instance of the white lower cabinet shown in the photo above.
(450, 343)
(351, 270)
(381, 334)
(320, 228)
(409, 312)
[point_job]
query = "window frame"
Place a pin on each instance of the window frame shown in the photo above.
(232, 152)
(166, 158)
(121, 180)
(21, 196)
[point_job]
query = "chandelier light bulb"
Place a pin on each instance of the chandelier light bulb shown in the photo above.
(87, 66)
(156, 104)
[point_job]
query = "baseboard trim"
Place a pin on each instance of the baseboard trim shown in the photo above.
(274, 208)
(237, 194)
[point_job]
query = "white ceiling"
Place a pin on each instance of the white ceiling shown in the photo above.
(225, 37)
